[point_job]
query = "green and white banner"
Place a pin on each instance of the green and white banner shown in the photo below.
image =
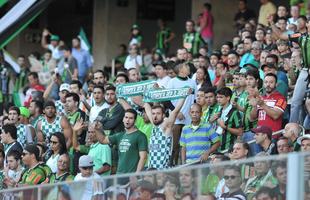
(134, 89)
(159, 95)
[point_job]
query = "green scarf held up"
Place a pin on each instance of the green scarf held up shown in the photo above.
(161, 95)
(134, 89)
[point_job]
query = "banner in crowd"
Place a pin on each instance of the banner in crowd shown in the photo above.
(159, 95)
(134, 89)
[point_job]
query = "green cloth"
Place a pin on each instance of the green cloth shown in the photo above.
(248, 124)
(101, 154)
(193, 41)
(144, 128)
(161, 36)
(64, 177)
(209, 184)
(84, 149)
(304, 42)
(1, 180)
(129, 146)
(33, 176)
(209, 113)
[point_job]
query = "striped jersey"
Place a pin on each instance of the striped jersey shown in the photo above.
(197, 140)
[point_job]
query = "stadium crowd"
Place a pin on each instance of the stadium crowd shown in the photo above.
(250, 98)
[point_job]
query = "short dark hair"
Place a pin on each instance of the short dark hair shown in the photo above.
(132, 111)
(15, 108)
(234, 168)
(304, 18)
(265, 190)
(233, 52)
(76, 82)
(211, 90)
(34, 75)
(10, 129)
(66, 48)
(226, 91)
(159, 107)
(253, 72)
(74, 96)
(100, 86)
(110, 87)
(16, 154)
(207, 6)
(99, 71)
(273, 75)
(277, 164)
(191, 21)
(38, 104)
(274, 56)
(122, 75)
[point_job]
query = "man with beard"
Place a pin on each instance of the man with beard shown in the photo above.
(52, 123)
(160, 147)
(132, 144)
(198, 140)
(100, 104)
(111, 117)
(99, 77)
(269, 109)
(36, 112)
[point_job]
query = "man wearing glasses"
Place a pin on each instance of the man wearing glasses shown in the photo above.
(233, 182)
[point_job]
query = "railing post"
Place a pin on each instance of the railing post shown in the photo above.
(295, 176)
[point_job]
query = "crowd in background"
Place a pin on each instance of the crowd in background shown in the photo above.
(64, 119)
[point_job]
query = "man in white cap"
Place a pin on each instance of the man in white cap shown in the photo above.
(86, 166)
(304, 142)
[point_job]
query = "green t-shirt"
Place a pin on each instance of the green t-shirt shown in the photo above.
(101, 154)
(129, 146)
(144, 128)
(64, 177)
(33, 176)
(211, 110)
(209, 184)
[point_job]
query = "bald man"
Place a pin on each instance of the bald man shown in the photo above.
(198, 140)
(292, 132)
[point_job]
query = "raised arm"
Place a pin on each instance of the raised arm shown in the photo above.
(76, 130)
(44, 43)
(67, 130)
(101, 137)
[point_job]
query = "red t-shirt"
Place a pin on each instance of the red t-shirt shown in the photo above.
(274, 100)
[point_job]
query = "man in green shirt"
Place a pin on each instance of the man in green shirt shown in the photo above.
(34, 174)
(163, 37)
(132, 144)
(192, 40)
(213, 107)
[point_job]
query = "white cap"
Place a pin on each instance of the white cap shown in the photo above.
(64, 86)
(86, 161)
(301, 138)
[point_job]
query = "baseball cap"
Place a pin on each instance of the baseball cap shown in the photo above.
(262, 129)
(270, 65)
(33, 149)
(54, 38)
(135, 26)
(301, 138)
(24, 111)
(86, 161)
(64, 86)
(252, 63)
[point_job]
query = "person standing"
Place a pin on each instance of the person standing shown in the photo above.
(132, 144)
(206, 26)
(163, 37)
(192, 40)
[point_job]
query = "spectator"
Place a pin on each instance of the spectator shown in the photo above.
(58, 147)
(136, 37)
(100, 153)
(206, 26)
(161, 74)
(243, 15)
(233, 182)
(279, 170)
(36, 112)
(14, 170)
(198, 140)
(67, 66)
(304, 142)
(132, 144)
(83, 58)
(164, 37)
(229, 121)
(265, 193)
(86, 165)
(269, 108)
(187, 182)
(267, 8)
(292, 131)
(192, 40)
(54, 43)
(263, 137)
(134, 59)
(35, 174)
(283, 146)
(62, 173)
(100, 104)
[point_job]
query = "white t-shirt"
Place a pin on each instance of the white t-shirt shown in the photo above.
(163, 82)
(52, 162)
(56, 54)
(131, 62)
(95, 110)
(92, 187)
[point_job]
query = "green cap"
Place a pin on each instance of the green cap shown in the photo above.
(24, 111)
(135, 26)
(252, 63)
(54, 37)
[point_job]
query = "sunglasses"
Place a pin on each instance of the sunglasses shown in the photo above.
(54, 142)
(86, 168)
(230, 177)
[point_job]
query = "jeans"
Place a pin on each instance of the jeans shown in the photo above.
(254, 148)
(209, 41)
(298, 96)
